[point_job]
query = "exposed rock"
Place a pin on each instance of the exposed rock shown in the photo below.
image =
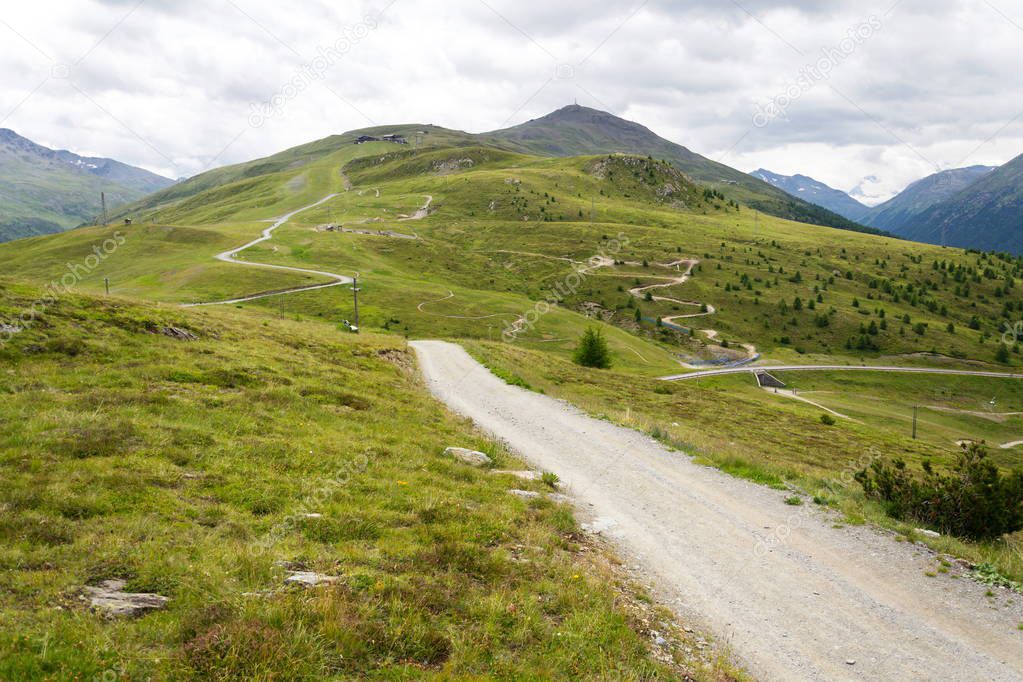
(310, 579)
(469, 456)
(452, 165)
(559, 498)
(9, 329)
(312, 515)
(177, 333)
(112, 601)
(524, 494)
(928, 533)
(524, 475)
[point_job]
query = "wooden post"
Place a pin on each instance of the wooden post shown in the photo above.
(355, 294)
(106, 282)
(914, 422)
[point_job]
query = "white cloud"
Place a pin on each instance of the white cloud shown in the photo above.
(171, 85)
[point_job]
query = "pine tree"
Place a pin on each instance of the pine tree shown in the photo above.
(1002, 354)
(592, 350)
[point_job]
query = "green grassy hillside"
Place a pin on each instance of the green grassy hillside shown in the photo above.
(336, 148)
(504, 230)
(572, 131)
(204, 470)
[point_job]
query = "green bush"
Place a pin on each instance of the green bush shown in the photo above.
(592, 350)
(974, 500)
(827, 420)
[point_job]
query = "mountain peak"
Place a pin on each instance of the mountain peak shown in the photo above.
(576, 115)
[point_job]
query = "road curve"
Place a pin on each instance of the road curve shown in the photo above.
(837, 368)
(231, 257)
(794, 598)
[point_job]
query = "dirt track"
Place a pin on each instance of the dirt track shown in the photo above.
(232, 257)
(794, 598)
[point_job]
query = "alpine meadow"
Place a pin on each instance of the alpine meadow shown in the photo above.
(557, 399)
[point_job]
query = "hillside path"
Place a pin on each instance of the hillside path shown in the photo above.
(793, 597)
(232, 257)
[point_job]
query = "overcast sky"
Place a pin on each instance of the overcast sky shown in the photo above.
(866, 96)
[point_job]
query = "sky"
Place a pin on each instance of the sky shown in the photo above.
(865, 96)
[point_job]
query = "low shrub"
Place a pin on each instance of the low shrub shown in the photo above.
(974, 500)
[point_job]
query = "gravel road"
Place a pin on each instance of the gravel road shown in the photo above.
(791, 596)
(232, 257)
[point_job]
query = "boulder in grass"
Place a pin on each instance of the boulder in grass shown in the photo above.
(477, 459)
(310, 579)
(112, 601)
(524, 494)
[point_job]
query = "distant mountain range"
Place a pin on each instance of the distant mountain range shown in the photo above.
(815, 192)
(898, 212)
(45, 190)
(979, 207)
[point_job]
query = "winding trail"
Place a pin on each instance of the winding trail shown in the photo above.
(792, 596)
(640, 293)
(514, 328)
(232, 257)
(599, 262)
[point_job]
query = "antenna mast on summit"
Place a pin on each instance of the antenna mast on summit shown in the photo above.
(103, 201)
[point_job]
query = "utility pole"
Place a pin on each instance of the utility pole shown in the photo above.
(103, 202)
(282, 306)
(914, 422)
(355, 295)
(592, 202)
(106, 281)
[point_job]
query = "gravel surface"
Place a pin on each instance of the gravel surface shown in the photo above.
(791, 596)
